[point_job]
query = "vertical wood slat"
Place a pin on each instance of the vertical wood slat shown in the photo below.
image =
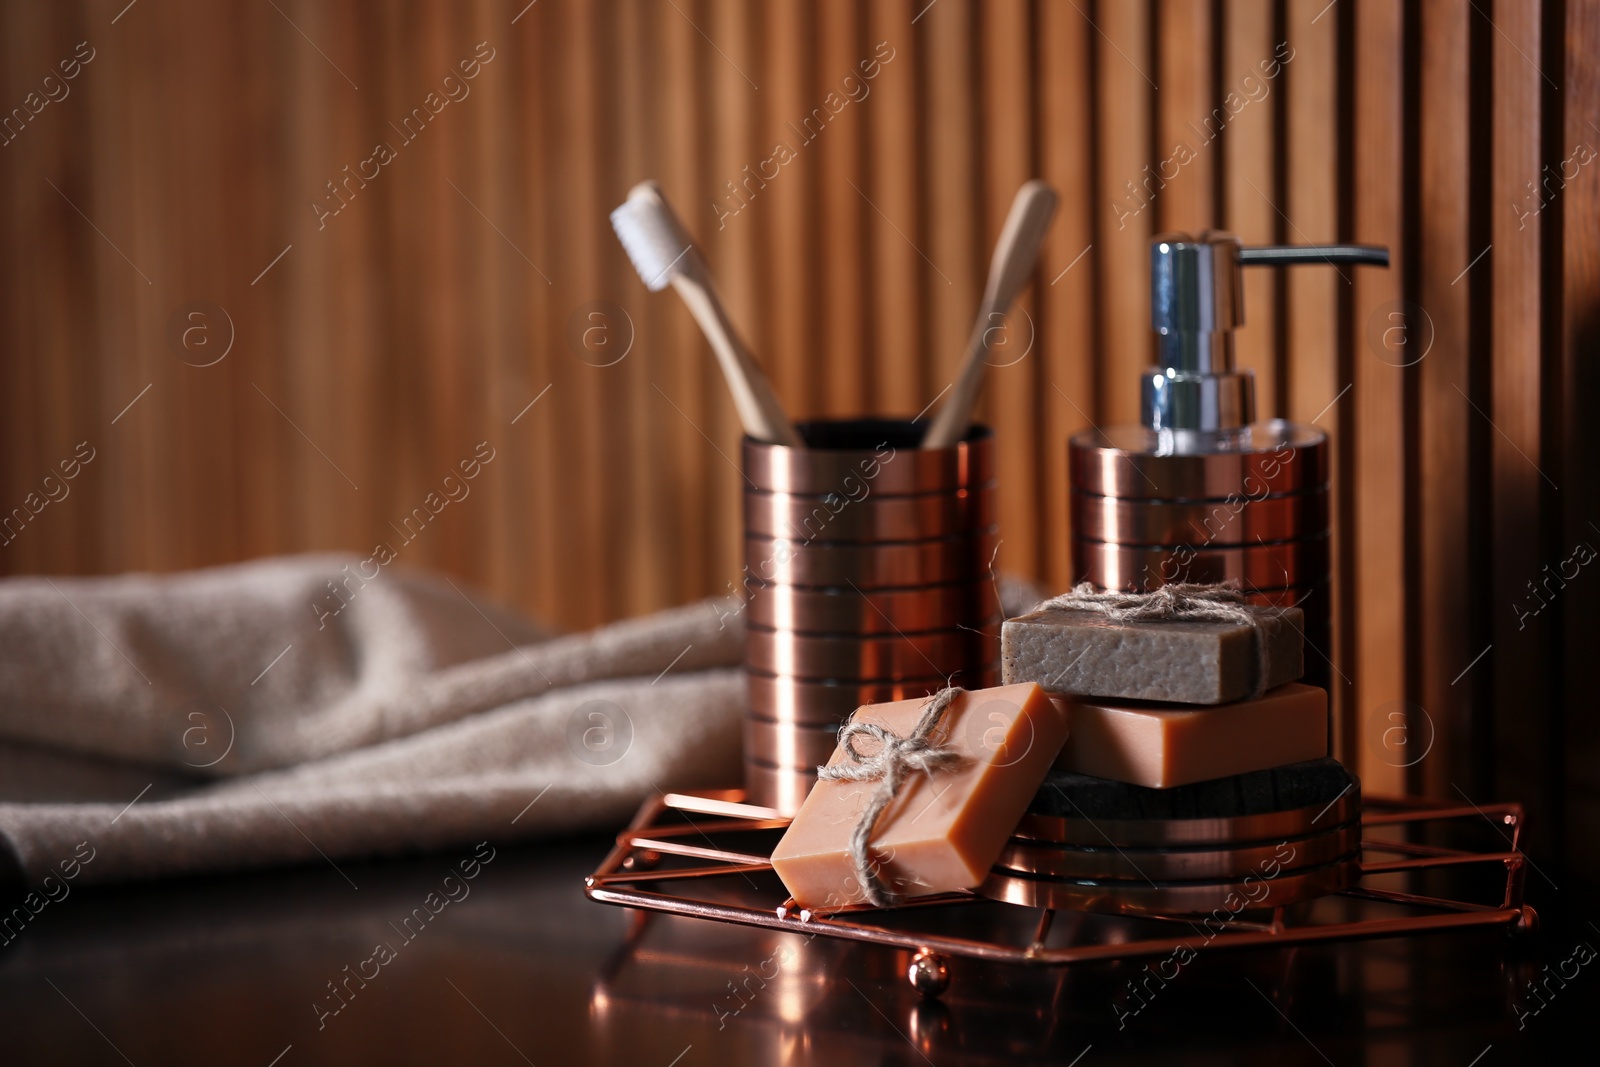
(535, 436)
(951, 176)
(557, 483)
(345, 397)
(791, 353)
(647, 548)
(586, 481)
(136, 457)
(1007, 154)
(449, 407)
(262, 323)
(45, 313)
(1121, 256)
(1066, 301)
(733, 88)
(1186, 138)
(895, 349)
(201, 528)
(1310, 213)
(503, 491)
(1444, 384)
(842, 218)
(1249, 148)
(1521, 664)
(680, 370)
(1379, 333)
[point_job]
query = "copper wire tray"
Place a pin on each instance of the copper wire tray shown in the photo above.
(630, 877)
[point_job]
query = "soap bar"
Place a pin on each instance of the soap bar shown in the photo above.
(1311, 784)
(1161, 746)
(1178, 660)
(942, 832)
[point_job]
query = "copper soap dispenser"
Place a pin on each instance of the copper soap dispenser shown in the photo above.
(1200, 491)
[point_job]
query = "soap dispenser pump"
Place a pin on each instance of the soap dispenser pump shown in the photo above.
(1200, 491)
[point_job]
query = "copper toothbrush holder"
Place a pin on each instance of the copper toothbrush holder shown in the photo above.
(867, 578)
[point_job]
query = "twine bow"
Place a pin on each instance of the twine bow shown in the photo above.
(896, 758)
(1189, 601)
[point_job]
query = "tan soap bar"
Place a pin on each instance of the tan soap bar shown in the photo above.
(1160, 746)
(1180, 660)
(941, 832)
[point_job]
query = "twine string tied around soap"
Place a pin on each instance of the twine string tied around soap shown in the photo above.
(896, 759)
(1185, 601)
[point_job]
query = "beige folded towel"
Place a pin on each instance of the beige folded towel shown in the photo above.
(287, 711)
(230, 718)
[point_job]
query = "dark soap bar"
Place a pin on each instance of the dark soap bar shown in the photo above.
(1297, 785)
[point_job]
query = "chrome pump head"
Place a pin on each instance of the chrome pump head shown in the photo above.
(1196, 302)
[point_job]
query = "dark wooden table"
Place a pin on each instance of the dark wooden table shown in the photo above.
(523, 969)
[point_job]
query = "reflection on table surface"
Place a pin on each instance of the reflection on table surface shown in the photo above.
(521, 968)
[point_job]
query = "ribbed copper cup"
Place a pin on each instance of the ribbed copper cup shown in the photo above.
(868, 566)
(880, 657)
(843, 454)
(777, 787)
(1259, 566)
(1132, 463)
(843, 610)
(866, 519)
(867, 573)
(1228, 522)
(800, 748)
(826, 703)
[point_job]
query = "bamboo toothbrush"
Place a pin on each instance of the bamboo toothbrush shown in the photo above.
(663, 253)
(1009, 270)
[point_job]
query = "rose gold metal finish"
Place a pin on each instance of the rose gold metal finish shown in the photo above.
(1259, 566)
(1132, 463)
(867, 519)
(1175, 865)
(871, 611)
(814, 656)
(781, 788)
(1161, 833)
(1236, 521)
(878, 454)
(1136, 897)
(1358, 912)
(730, 803)
(817, 703)
(889, 565)
(790, 746)
(867, 563)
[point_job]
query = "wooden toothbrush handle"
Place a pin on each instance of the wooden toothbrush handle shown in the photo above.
(1010, 270)
(950, 423)
(759, 411)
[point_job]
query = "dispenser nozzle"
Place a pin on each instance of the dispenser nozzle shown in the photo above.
(1196, 302)
(1312, 255)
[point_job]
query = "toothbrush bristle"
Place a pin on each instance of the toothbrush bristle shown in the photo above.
(651, 235)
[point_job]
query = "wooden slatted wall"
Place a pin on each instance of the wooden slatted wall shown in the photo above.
(475, 274)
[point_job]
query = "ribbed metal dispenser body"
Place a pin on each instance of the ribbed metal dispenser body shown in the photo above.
(1143, 517)
(867, 578)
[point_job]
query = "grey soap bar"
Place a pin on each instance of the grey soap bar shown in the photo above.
(1175, 660)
